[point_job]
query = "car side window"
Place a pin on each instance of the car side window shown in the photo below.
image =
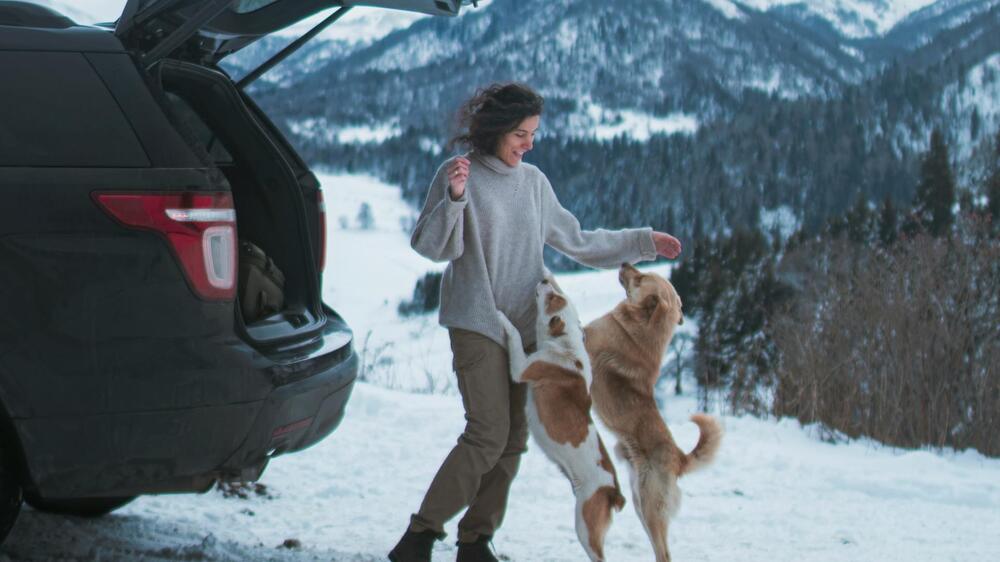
(56, 112)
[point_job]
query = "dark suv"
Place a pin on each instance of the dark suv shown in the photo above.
(131, 166)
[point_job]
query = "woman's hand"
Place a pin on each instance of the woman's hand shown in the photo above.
(458, 173)
(666, 245)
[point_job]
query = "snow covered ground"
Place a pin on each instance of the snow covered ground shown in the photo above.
(777, 491)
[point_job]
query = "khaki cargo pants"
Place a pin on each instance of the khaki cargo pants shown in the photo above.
(478, 472)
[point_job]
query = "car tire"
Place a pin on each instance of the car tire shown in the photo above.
(80, 507)
(10, 491)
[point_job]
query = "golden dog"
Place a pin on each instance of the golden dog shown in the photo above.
(625, 348)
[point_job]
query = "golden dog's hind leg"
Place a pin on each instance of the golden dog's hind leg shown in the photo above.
(656, 524)
(638, 477)
(655, 513)
(651, 501)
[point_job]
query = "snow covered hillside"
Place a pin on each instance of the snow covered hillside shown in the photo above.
(975, 104)
(778, 491)
(853, 18)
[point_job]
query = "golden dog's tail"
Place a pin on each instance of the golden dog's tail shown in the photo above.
(708, 444)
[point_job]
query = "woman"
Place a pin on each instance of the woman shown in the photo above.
(490, 215)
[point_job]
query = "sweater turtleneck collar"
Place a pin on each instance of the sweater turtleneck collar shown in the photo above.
(493, 163)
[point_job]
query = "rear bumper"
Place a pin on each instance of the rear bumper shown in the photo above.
(295, 416)
(188, 449)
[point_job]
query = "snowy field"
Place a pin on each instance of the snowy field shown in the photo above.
(777, 492)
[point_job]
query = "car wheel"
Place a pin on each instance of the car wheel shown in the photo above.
(80, 507)
(10, 492)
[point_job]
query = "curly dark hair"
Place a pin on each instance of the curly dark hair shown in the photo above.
(493, 112)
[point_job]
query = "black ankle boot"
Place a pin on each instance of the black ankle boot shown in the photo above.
(414, 547)
(479, 551)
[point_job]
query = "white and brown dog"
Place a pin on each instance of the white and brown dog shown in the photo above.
(626, 346)
(558, 377)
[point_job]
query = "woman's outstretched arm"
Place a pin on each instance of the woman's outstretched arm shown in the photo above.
(601, 248)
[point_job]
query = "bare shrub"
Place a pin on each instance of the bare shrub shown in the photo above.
(902, 345)
(375, 361)
(680, 344)
(426, 296)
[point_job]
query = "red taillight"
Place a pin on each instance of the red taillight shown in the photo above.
(200, 227)
(321, 205)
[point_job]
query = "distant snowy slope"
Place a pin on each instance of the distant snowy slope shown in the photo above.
(364, 24)
(978, 93)
(853, 18)
(360, 25)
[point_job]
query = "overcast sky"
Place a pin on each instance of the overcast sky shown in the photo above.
(99, 10)
(92, 11)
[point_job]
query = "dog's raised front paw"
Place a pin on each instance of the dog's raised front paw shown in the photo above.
(508, 326)
(513, 335)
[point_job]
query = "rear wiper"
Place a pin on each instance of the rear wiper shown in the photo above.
(290, 48)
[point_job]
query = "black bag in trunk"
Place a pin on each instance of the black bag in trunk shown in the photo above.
(262, 285)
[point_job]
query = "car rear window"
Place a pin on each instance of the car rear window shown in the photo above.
(56, 112)
(204, 136)
(247, 6)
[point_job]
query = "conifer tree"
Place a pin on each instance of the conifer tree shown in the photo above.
(993, 184)
(858, 222)
(366, 220)
(936, 191)
(888, 228)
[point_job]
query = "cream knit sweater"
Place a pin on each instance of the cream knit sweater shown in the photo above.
(493, 236)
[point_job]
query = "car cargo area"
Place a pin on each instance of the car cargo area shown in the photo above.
(271, 212)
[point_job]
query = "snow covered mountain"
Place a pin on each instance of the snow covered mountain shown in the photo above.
(852, 18)
(588, 57)
(602, 64)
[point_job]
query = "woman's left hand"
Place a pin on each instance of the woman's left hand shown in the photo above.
(666, 245)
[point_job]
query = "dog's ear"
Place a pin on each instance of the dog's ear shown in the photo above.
(649, 305)
(556, 327)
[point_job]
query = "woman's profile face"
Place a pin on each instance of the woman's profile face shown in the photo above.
(516, 143)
